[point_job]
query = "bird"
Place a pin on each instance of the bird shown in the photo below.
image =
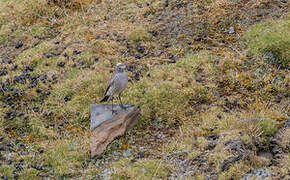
(116, 84)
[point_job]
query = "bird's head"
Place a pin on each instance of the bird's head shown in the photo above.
(120, 67)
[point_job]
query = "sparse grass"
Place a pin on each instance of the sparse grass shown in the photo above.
(29, 174)
(142, 169)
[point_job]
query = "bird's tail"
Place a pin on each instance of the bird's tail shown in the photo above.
(105, 99)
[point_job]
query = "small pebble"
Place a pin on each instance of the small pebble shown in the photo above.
(166, 3)
(60, 64)
(67, 98)
(19, 44)
(76, 52)
(154, 33)
(231, 30)
(140, 155)
(14, 67)
(137, 56)
(140, 48)
(47, 55)
(36, 109)
(96, 58)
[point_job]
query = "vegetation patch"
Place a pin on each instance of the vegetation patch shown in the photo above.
(139, 34)
(271, 37)
(142, 169)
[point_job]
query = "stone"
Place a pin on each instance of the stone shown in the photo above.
(106, 126)
(19, 44)
(60, 64)
(265, 154)
(231, 30)
(262, 173)
(166, 3)
(158, 53)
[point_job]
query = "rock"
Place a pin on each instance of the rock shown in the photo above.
(3, 73)
(230, 161)
(36, 109)
(60, 64)
(19, 44)
(262, 173)
(137, 56)
(48, 55)
(3, 148)
(267, 155)
(140, 155)
(96, 58)
(106, 126)
(158, 53)
(38, 90)
(160, 135)
(276, 150)
(166, 3)
(197, 39)
(140, 48)
(67, 98)
(6, 60)
(154, 33)
(126, 154)
(43, 77)
(35, 44)
(55, 53)
(14, 67)
(76, 52)
(166, 45)
(231, 30)
(65, 55)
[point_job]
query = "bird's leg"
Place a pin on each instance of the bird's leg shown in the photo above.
(120, 98)
(121, 104)
(112, 104)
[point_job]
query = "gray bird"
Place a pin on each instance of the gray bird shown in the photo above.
(116, 84)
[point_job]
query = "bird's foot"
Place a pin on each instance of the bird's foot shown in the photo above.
(123, 107)
(114, 112)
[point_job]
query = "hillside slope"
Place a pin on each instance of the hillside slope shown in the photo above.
(211, 79)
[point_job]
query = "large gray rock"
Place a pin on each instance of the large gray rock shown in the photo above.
(106, 126)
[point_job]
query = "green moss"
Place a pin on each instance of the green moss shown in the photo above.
(65, 157)
(273, 37)
(269, 127)
(40, 31)
(29, 174)
(165, 96)
(7, 170)
(139, 34)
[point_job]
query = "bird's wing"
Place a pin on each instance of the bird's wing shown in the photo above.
(110, 82)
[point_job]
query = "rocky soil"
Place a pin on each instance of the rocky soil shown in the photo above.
(210, 106)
